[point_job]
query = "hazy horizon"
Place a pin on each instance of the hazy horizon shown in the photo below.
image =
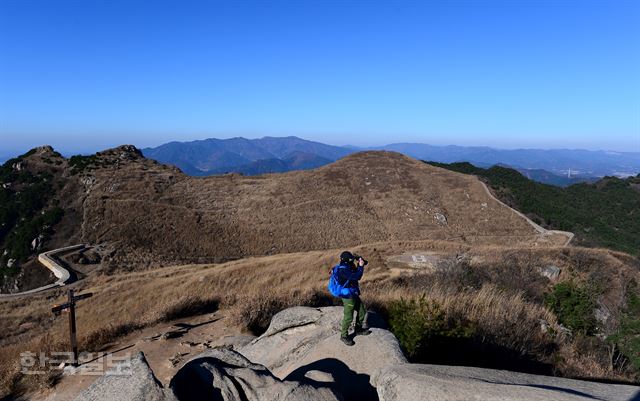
(66, 151)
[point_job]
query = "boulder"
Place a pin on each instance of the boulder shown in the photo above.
(440, 218)
(408, 382)
(36, 243)
(304, 344)
(88, 181)
(225, 375)
(602, 313)
(45, 150)
(551, 272)
(134, 381)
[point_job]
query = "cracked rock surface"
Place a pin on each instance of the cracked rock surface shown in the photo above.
(225, 375)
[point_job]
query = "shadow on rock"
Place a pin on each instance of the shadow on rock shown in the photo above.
(375, 320)
(352, 385)
(225, 375)
(194, 384)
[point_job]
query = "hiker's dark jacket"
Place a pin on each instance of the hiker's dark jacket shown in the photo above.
(348, 277)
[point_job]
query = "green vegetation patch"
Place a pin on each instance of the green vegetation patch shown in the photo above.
(574, 306)
(19, 240)
(605, 213)
(80, 163)
(24, 212)
(417, 322)
(20, 206)
(8, 174)
(627, 337)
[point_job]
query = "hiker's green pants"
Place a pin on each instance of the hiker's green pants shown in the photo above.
(351, 304)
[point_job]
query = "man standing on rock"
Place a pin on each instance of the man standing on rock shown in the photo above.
(346, 275)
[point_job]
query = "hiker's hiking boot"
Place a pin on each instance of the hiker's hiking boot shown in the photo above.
(361, 331)
(347, 340)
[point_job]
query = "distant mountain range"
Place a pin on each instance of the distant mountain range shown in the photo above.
(246, 156)
(584, 163)
(281, 154)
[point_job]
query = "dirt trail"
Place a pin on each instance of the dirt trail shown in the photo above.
(165, 345)
(543, 231)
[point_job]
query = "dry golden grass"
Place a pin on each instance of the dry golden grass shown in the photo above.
(11, 378)
(503, 316)
(158, 216)
(498, 289)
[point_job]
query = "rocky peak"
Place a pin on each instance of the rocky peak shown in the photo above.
(45, 150)
(122, 152)
(36, 157)
(42, 153)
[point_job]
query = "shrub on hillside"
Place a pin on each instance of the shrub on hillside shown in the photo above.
(574, 306)
(80, 163)
(415, 322)
(18, 242)
(627, 337)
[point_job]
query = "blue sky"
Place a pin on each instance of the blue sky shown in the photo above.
(86, 75)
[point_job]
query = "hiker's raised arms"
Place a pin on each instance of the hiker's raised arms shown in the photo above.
(346, 273)
(357, 274)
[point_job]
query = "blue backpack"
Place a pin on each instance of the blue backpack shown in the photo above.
(334, 286)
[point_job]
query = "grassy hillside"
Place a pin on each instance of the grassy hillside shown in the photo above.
(159, 216)
(605, 213)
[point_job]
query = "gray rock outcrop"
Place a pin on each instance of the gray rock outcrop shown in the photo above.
(303, 343)
(136, 382)
(550, 271)
(300, 357)
(36, 243)
(413, 382)
(225, 375)
(440, 218)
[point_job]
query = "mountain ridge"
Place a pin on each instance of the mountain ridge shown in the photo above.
(158, 215)
(211, 156)
(194, 158)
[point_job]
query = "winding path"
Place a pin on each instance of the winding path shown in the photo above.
(51, 262)
(541, 230)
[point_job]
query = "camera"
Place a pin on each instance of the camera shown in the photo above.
(358, 257)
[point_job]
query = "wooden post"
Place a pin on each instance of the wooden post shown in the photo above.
(72, 329)
(71, 305)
